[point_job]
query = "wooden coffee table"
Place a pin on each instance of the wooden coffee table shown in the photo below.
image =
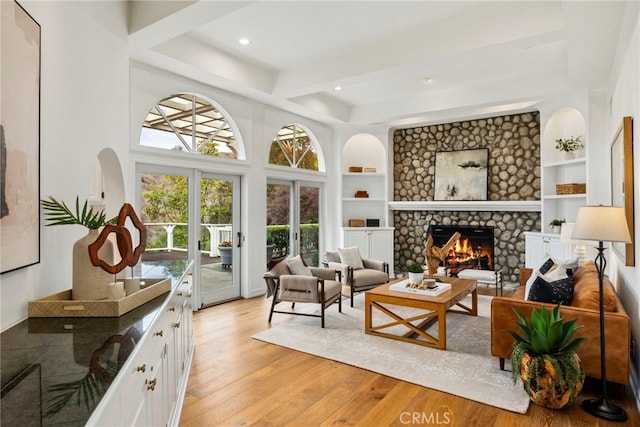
(435, 310)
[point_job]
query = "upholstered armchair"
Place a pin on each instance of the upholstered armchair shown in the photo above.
(292, 281)
(357, 273)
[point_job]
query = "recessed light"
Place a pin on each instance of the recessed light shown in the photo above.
(244, 41)
(337, 88)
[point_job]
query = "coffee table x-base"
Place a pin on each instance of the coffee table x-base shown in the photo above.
(431, 309)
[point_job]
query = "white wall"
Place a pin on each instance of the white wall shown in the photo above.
(84, 108)
(625, 101)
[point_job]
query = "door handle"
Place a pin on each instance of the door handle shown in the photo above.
(239, 239)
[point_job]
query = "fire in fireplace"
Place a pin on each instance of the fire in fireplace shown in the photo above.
(474, 248)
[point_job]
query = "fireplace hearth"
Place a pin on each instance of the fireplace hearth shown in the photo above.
(474, 249)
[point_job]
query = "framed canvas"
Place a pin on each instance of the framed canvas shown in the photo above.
(461, 175)
(19, 138)
(622, 183)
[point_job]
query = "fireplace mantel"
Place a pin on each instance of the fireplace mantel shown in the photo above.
(467, 205)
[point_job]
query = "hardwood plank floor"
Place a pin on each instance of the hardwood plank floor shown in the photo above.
(236, 380)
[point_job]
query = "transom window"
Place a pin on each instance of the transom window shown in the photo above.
(186, 122)
(293, 147)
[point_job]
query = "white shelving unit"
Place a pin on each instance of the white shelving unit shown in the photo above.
(374, 242)
(562, 123)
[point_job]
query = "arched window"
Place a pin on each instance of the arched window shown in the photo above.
(293, 147)
(187, 122)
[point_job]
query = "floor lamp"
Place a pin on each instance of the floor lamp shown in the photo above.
(602, 224)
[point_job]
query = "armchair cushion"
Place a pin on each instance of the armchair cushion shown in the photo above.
(297, 266)
(351, 257)
(368, 276)
(298, 288)
(373, 263)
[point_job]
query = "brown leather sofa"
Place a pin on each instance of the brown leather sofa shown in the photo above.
(585, 308)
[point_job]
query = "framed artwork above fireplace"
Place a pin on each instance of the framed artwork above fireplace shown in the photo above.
(461, 175)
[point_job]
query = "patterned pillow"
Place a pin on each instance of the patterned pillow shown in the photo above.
(555, 287)
(544, 268)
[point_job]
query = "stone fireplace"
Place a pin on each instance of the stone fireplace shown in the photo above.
(513, 177)
(474, 248)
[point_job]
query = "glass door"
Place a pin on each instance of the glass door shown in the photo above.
(192, 215)
(164, 195)
(219, 238)
(293, 220)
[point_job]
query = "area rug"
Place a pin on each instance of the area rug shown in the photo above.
(465, 369)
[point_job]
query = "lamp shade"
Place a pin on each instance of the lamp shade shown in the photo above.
(601, 223)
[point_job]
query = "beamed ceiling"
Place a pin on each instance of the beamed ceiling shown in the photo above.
(399, 63)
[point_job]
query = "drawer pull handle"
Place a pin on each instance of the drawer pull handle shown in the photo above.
(172, 309)
(179, 294)
(176, 325)
(152, 384)
(141, 368)
(159, 333)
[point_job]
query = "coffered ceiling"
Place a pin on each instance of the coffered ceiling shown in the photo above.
(398, 63)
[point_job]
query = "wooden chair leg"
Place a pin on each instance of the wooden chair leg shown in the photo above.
(501, 359)
(352, 292)
(340, 303)
(273, 305)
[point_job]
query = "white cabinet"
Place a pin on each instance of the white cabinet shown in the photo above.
(539, 245)
(150, 386)
(373, 243)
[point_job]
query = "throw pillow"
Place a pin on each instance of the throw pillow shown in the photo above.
(297, 266)
(351, 257)
(556, 287)
(544, 268)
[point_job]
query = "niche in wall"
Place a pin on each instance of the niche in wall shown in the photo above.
(107, 183)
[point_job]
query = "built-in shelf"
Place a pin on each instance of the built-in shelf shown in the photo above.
(363, 199)
(468, 205)
(565, 196)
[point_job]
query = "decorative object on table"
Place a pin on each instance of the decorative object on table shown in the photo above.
(416, 272)
(356, 223)
(88, 281)
(544, 357)
(19, 139)
(369, 170)
(129, 256)
(571, 188)
(622, 178)
(556, 225)
(355, 169)
(373, 222)
(461, 175)
(225, 249)
(434, 255)
(569, 146)
(602, 224)
(362, 194)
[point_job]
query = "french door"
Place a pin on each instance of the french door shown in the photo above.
(192, 215)
(293, 219)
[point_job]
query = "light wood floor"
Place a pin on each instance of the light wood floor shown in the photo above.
(236, 380)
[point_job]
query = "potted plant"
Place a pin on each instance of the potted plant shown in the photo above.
(225, 249)
(416, 272)
(544, 357)
(569, 146)
(556, 224)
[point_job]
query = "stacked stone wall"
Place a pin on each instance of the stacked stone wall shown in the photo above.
(513, 142)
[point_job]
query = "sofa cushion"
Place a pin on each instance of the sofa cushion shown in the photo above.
(558, 269)
(555, 287)
(586, 289)
(351, 257)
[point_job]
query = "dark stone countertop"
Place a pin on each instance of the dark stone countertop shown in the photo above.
(54, 371)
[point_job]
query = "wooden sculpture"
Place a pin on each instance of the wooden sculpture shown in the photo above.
(433, 255)
(129, 255)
